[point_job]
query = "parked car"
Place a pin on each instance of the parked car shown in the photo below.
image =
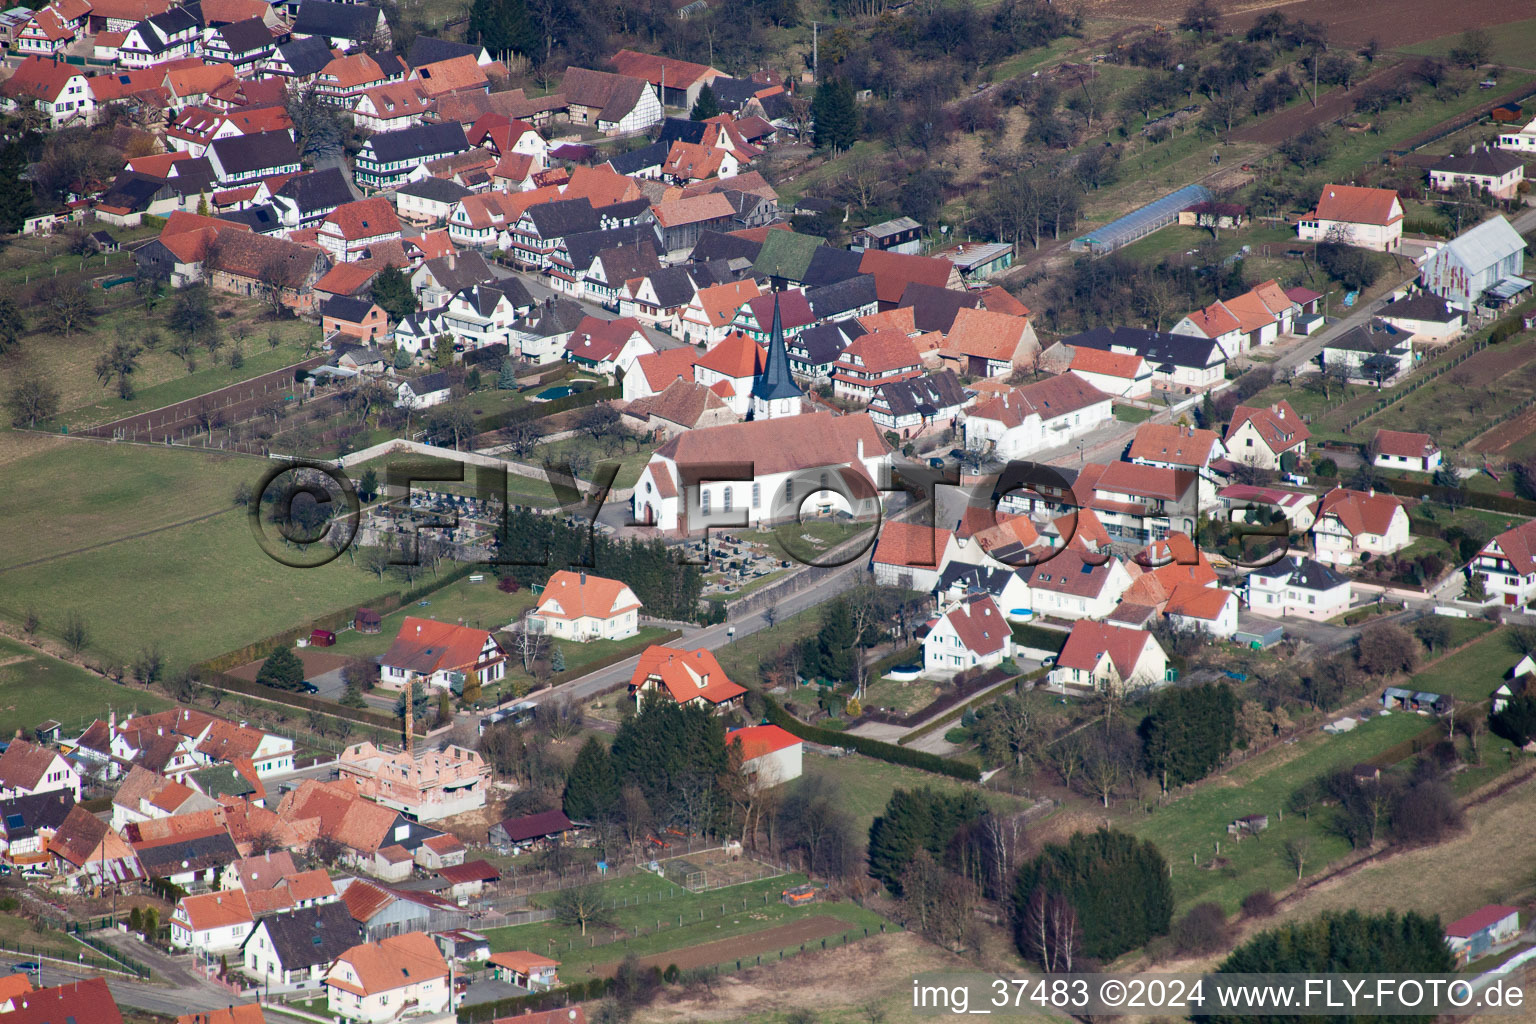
(34, 875)
(26, 967)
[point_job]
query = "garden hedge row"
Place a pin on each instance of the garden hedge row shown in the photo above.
(956, 712)
(554, 999)
(889, 752)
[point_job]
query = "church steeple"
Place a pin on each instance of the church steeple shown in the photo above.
(775, 392)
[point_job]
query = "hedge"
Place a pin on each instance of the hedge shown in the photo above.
(1028, 635)
(1407, 748)
(954, 713)
(554, 999)
(895, 658)
(539, 410)
(1450, 495)
(870, 748)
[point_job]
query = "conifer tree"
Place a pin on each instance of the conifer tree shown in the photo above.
(506, 380)
(592, 787)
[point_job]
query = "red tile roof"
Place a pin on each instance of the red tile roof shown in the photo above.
(1090, 641)
(911, 545)
(216, 910)
(88, 1002)
(1404, 444)
(1359, 511)
(757, 740)
(664, 367)
(1125, 365)
(522, 961)
(984, 334)
(364, 218)
(979, 623)
(393, 963)
(893, 271)
(737, 356)
(1171, 442)
(1278, 425)
(679, 74)
(583, 594)
(249, 1013)
(1193, 601)
(1352, 204)
(427, 646)
(685, 675)
(24, 764)
(1466, 927)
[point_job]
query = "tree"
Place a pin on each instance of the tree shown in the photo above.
(473, 691)
(940, 903)
(1117, 886)
(1011, 732)
(1472, 49)
(503, 25)
(120, 361)
(1188, 732)
(1343, 942)
(1433, 632)
(63, 308)
(76, 632)
(1298, 851)
(148, 666)
(706, 106)
(282, 670)
(813, 821)
(32, 399)
(191, 312)
(1202, 931)
(1201, 17)
(421, 703)
(669, 750)
(317, 124)
(506, 380)
(1517, 721)
(592, 786)
(835, 115)
(17, 202)
(13, 324)
(920, 819)
(579, 905)
(1385, 648)
(403, 359)
(392, 291)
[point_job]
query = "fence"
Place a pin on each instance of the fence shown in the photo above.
(117, 964)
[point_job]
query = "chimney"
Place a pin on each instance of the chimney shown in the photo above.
(860, 449)
(583, 577)
(112, 721)
(1280, 411)
(453, 259)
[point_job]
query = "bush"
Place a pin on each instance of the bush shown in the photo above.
(1259, 903)
(1201, 931)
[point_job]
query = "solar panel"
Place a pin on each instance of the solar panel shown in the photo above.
(14, 821)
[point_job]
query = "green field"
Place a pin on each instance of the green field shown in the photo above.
(743, 658)
(198, 588)
(596, 454)
(1190, 828)
(865, 785)
(667, 917)
(35, 687)
(1513, 43)
(1474, 673)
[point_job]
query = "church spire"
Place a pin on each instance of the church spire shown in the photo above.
(775, 391)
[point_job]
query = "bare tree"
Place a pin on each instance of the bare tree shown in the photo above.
(1297, 852)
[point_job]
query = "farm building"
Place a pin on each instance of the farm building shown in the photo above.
(1141, 223)
(1487, 258)
(529, 970)
(1471, 936)
(524, 832)
(1396, 698)
(769, 754)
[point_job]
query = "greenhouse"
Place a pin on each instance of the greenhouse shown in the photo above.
(1141, 223)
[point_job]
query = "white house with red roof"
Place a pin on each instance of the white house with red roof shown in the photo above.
(1102, 657)
(27, 768)
(609, 347)
(1260, 436)
(1044, 414)
(580, 606)
(1507, 564)
(349, 230)
(1075, 583)
(654, 372)
(400, 976)
(1401, 449)
(1175, 446)
(1202, 609)
(1352, 526)
(1251, 504)
(45, 34)
(871, 360)
(709, 316)
(60, 91)
(912, 555)
(684, 676)
(1138, 502)
(769, 755)
(972, 634)
(730, 369)
(1121, 374)
(212, 923)
(432, 653)
(779, 469)
(1371, 218)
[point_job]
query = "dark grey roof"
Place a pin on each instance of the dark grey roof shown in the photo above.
(439, 189)
(318, 192)
(934, 309)
(482, 298)
(391, 65)
(307, 56)
(462, 270)
(427, 50)
(637, 160)
(1302, 572)
(1491, 163)
(1421, 306)
(245, 36)
(733, 93)
(22, 816)
(925, 395)
(357, 22)
(584, 246)
(711, 272)
(717, 245)
(193, 176)
(776, 105)
(312, 936)
(624, 262)
(982, 578)
(255, 152)
(830, 265)
(674, 286)
(516, 293)
(811, 204)
(167, 24)
(1372, 336)
(422, 142)
(628, 211)
(344, 307)
(261, 219)
(199, 854)
(819, 346)
(133, 191)
(680, 129)
(558, 315)
(1155, 347)
(562, 217)
(425, 384)
(834, 299)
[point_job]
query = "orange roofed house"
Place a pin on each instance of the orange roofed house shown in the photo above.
(1098, 656)
(426, 784)
(769, 754)
(1371, 218)
(434, 652)
(525, 969)
(580, 606)
(1263, 436)
(402, 975)
(684, 676)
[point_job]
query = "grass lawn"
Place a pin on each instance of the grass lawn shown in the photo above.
(1474, 673)
(35, 687)
(902, 698)
(595, 454)
(1513, 43)
(1190, 827)
(479, 605)
(806, 541)
(742, 659)
(198, 588)
(866, 785)
(1132, 414)
(654, 906)
(89, 493)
